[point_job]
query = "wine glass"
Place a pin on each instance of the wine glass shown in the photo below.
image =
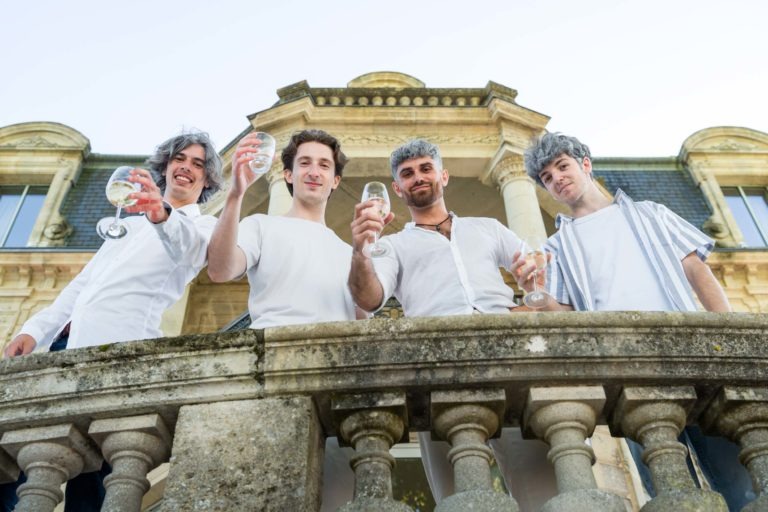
(535, 255)
(376, 192)
(118, 190)
(261, 161)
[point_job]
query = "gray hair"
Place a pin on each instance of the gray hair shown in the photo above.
(415, 148)
(165, 152)
(550, 146)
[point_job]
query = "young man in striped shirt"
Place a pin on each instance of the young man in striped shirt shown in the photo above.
(622, 255)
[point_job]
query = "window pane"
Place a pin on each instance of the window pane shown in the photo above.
(25, 220)
(757, 202)
(752, 236)
(8, 202)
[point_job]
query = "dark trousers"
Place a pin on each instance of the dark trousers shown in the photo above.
(84, 493)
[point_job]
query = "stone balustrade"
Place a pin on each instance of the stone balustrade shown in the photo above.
(242, 417)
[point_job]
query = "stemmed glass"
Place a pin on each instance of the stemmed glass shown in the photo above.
(118, 190)
(261, 161)
(376, 192)
(535, 255)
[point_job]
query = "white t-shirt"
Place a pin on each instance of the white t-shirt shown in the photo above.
(297, 271)
(620, 276)
(433, 276)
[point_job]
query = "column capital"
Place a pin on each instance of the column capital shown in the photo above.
(275, 173)
(508, 169)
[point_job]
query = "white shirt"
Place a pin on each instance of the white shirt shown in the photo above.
(297, 271)
(433, 276)
(124, 289)
(620, 275)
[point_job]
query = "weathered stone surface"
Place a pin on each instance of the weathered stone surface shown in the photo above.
(126, 379)
(246, 455)
(133, 446)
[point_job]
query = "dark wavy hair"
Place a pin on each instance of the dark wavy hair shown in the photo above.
(312, 135)
(165, 152)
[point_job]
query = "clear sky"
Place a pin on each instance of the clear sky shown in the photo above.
(630, 78)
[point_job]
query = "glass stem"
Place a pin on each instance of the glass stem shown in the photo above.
(116, 223)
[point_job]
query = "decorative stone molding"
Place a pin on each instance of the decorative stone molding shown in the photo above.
(467, 419)
(372, 424)
(564, 417)
(132, 446)
(655, 417)
(49, 456)
(741, 414)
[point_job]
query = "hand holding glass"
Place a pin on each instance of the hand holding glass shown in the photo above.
(535, 255)
(376, 192)
(118, 189)
(261, 161)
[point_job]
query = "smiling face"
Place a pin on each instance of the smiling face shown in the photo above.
(185, 176)
(419, 182)
(313, 174)
(567, 179)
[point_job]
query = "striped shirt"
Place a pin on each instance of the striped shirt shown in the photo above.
(664, 237)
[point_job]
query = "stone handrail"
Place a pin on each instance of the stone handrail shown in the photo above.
(242, 415)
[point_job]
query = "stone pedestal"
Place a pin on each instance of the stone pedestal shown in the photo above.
(741, 414)
(133, 446)
(372, 423)
(654, 417)
(246, 455)
(49, 456)
(467, 419)
(564, 417)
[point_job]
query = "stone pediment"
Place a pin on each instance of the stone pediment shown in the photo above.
(41, 136)
(725, 139)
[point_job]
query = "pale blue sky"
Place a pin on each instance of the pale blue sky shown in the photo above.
(630, 78)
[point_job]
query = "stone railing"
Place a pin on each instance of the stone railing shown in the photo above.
(242, 415)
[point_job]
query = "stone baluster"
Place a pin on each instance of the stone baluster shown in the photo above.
(520, 202)
(371, 423)
(564, 417)
(49, 456)
(9, 471)
(741, 414)
(467, 419)
(279, 198)
(654, 417)
(133, 446)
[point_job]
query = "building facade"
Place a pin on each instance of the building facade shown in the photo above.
(52, 194)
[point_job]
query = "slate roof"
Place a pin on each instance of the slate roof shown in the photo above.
(659, 180)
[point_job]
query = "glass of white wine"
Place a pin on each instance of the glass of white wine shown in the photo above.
(535, 255)
(261, 161)
(118, 190)
(376, 192)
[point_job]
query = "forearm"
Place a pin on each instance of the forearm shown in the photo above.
(705, 285)
(226, 260)
(364, 285)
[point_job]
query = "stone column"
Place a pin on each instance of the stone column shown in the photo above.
(261, 454)
(520, 202)
(741, 414)
(467, 419)
(279, 198)
(9, 471)
(564, 417)
(49, 456)
(372, 423)
(654, 417)
(133, 447)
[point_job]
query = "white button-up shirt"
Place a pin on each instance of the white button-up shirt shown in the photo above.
(433, 276)
(123, 291)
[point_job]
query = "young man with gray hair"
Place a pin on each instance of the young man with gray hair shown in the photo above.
(122, 292)
(622, 255)
(440, 264)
